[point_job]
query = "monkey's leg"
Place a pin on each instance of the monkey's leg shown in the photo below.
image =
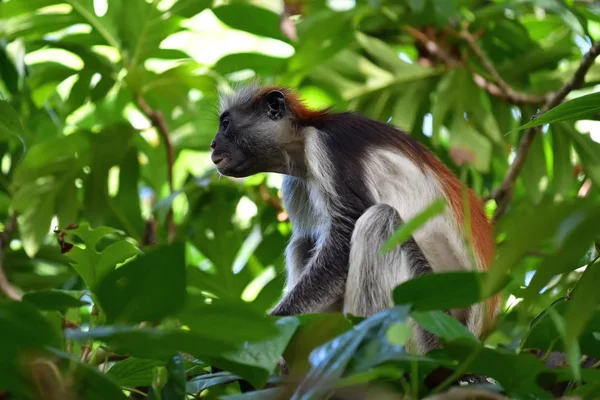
(372, 277)
(297, 254)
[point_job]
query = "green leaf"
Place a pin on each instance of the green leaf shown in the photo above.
(517, 373)
(53, 299)
(587, 149)
(89, 383)
(224, 318)
(104, 26)
(562, 181)
(129, 293)
(255, 360)
(93, 265)
(573, 237)
(189, 8)
(175, 386)
(35, 202)
(11, 128)
(329, 361)
(205, 381)
(446, 290)
(250, 18)
(543, 333)
(261, 63)
(316, 330)
(265, 394)
(527, 228)
(442, 325)
(133, 372)
(582, 307)
(158, 344)
(142, 27)
(579, 108)
(534, 171)
(405, 231)
(24, 330)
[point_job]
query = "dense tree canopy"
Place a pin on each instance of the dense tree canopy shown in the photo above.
(129, 267)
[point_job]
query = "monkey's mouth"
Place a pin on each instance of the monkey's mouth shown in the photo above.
(235, 170)
(218, 159)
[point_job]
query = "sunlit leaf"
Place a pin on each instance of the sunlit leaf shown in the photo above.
(578, 108)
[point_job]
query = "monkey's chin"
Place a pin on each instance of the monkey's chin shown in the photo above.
(240, 170)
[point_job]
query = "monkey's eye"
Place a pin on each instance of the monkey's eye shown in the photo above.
(225, 123)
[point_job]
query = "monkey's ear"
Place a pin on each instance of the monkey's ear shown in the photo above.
(274, 104)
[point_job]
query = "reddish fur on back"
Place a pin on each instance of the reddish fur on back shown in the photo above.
(300, 110)
(481, 229)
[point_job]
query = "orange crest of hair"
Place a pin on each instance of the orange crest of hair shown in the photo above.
(300, 110)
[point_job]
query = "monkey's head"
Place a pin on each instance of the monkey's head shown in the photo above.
(256, 133)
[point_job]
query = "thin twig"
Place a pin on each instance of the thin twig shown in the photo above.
(431, 46)
(507, 91)
(501, 89)
(504, 192)
(5, 286)
(158, 120)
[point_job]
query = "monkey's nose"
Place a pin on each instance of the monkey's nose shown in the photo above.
(212, 145)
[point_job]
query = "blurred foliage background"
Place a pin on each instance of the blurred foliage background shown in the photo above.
(106, 115)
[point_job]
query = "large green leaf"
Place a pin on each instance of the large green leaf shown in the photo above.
(446, 290)
(142, 27)
(129, 294)
(329, 361)
(94, 265)
(54, 299)
(250, 18)
(105, 26)
(578, 108)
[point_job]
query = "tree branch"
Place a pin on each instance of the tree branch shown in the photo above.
(5, 286)
(499, 89)
(507, 91)
(431, 46)
(504, 192)
(158, 121)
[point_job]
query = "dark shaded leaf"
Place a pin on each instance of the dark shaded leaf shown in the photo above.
(205, 381)
(55, 300)
(446, 290)
(129, 293)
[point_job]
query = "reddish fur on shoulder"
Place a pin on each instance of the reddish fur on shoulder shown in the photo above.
(300, 110)
(481, 228)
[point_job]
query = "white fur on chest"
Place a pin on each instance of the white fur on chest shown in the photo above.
(396, 181)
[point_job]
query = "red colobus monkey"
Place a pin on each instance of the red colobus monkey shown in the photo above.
(349, 183)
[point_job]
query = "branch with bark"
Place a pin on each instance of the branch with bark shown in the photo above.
(503, 193)
(158, 121)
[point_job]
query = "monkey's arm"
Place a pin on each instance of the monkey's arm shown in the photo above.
(323, 281)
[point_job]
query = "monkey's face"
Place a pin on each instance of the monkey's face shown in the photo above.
(250, 137)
